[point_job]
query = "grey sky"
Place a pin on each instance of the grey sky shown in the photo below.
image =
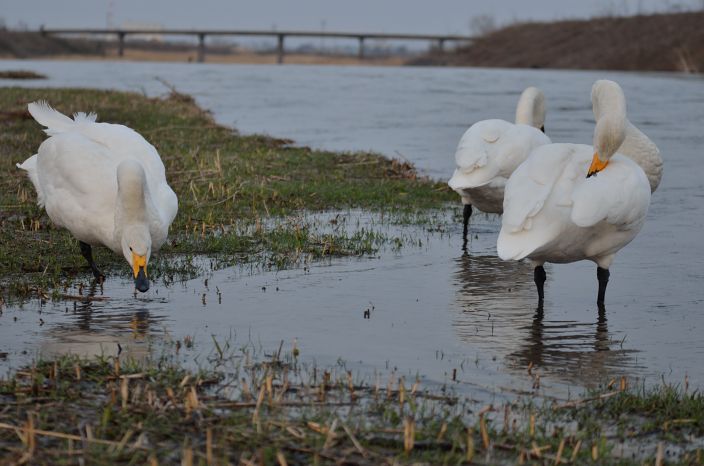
(417, 16)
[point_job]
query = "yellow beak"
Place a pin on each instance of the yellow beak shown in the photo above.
(596, 166)
(137, 263)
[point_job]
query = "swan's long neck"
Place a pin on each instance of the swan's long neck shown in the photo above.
(531, 108)
(639, 148)
(132, 197)
(609, 101)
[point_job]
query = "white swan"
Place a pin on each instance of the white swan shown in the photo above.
(569, 202)
(490, 150)
(105, 184)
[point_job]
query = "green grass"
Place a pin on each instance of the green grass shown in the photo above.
(242, 406)
(21, 74)
(237, 194)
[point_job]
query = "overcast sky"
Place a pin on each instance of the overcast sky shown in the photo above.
(412, 16)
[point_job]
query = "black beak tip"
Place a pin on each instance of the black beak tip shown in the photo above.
(142, 287)
(141, 283)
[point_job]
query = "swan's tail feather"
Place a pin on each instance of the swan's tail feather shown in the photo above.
(55, 121)
(30, 166)
(83, 117)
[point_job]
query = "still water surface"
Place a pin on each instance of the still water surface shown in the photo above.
(435, 308)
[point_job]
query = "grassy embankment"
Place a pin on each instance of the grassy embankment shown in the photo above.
(240, 197)
(244, 410)
(661, 42)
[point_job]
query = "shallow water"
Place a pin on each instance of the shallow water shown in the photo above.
(435, 308)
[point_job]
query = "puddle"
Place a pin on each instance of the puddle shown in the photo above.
(467, 320)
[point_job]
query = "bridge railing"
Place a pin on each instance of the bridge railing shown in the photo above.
(121, 34)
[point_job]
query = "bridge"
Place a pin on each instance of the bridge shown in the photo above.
(121, 34)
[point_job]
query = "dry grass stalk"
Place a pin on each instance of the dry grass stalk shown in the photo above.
(575, 452)
(532, 425)
(61, 435)
(484, 431)
(124, 392)
(401, 392)
(260, 399)
(595, 452)
(187, 457)
(191, 402)
(125, 438)
(409, 434)
(470, 445)
(443, 430)
(281, 459)
(330, 437)
(660, 455)
(536, 451)
(577, 403)
(560, 449)
(362, 451)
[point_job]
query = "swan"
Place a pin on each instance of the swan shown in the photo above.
(571, 202)
(490, 150)
(105, 184)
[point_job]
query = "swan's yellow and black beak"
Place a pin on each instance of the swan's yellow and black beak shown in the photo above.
(596, 166)
(139, 269)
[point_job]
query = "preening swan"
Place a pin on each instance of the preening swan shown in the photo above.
(490, 150)
(105, 184)
(569, 202)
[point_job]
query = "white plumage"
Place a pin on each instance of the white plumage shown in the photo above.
(490, 150)
(103, 182)
(554, 213)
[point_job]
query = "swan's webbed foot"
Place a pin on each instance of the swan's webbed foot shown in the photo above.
(540, 276)
(466, 214)
(603, 276)
(87, 253)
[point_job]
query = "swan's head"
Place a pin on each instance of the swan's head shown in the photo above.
(531, 108)
(137, 248)
(131, 215)
(607, 99)
(609, 134)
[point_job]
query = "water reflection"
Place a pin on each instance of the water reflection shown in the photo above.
(577, 352)
(103, 328)
(497, 313)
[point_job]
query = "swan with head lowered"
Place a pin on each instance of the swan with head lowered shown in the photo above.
(490, 150)
(105, 184)
(570, 202)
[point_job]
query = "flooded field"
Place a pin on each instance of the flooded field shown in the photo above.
(435, 311)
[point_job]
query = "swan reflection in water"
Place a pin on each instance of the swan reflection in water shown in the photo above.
(496, 312)
(103, 328)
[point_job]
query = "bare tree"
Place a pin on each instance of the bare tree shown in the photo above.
(482, 25)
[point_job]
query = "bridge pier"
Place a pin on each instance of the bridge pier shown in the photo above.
(120, 43)
(441, 45)
(201, 48)
(360, 53)
(280, 49)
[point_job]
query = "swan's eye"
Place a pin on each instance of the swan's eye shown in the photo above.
(130, 249)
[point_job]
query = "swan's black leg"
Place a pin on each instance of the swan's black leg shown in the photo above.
(466, 214)
(87, 252)
(603, 276)
(540, 276)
